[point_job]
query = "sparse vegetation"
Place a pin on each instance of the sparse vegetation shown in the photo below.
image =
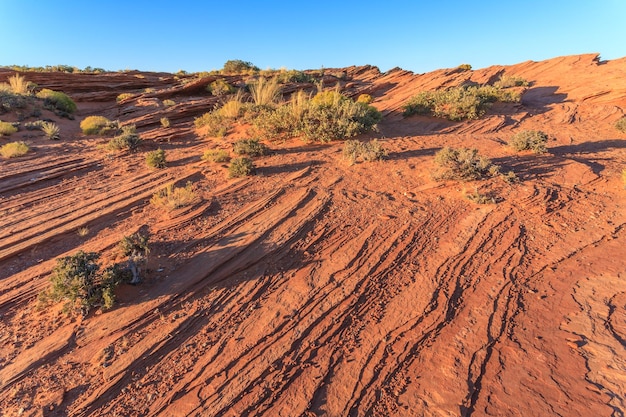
(462, 164)
(98, 125)
(124, 96)
(508, 81)
(156, 159)
(128, 139)
(165, 122)
(136, 248)
(464, 67)
(75, 280)
(265, 92)
(36, 125)
(212, 123)
(14, 149)
(534, 140)
(250, 147)
(621, 124)
(216, 155)
(480, 198)
(220, 88)
(240, 167)
(51, 130)
(171, 197)
(19, 85)
(7, 128)
(365, 99)
(458, 103)
(168, 103)
(82, 231)
(56, 100)
(237, 66)
(370, 151)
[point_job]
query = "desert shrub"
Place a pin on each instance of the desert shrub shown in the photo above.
(57, 100)
(364, 98)
(213, 124)
(10, 101)
(373, 151)
(534, 140)
(165, 122)
(75, 280)
(136, 247)
(265, 92)
(464, 67)
(123, 96)
(508, 81)
(370, 151)
(293, 76)
(237, 66)
(220, 87)
(216, 155)
(156, 159)
(510, 177)
(127, 139)
(250, 147)
(7, 128)
(458, 103)
(98, 125)
(168, 103)
(479, 198)
(621, 124)
(51, 130)
(14, 149)
(171, 197)
(281, 123)
(461, 164)
(334, 116)
(240, 167)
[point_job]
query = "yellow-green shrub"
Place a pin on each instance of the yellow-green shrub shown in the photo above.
(14, 149)
(7, 128)
(58, 100)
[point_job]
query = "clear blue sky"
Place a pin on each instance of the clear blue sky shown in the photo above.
(198, 35)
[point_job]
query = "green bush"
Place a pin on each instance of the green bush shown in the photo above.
(51, 130)
(237, 66)
(333, 117)
(220, 88)
(216, 155)
(76, 280)
(14, 149)
(458, 103)
(212, 123)
(462, 164)
(57, 100)
(250, 147)
(98, 125)
(240, 167)
(7, 128)
(621, 124)
(534, 140)
(156, 159)
(128, 139)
